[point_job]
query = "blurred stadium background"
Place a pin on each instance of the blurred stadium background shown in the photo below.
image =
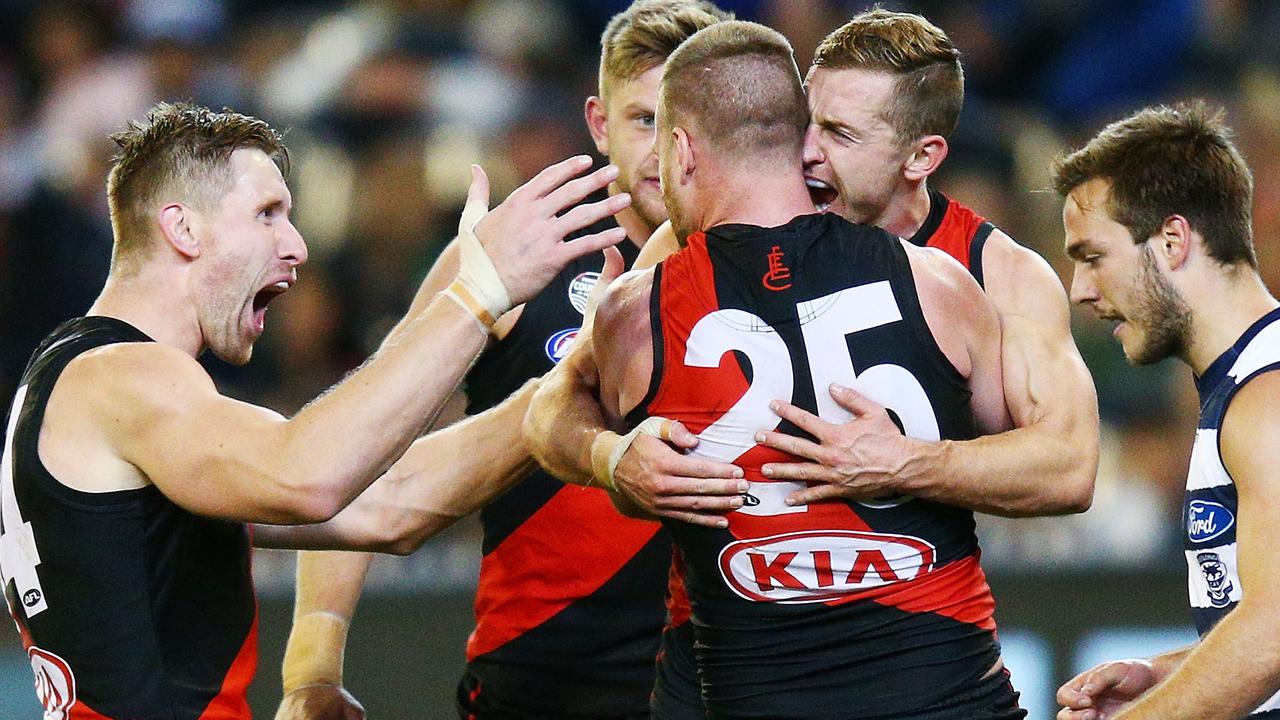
(387, 101)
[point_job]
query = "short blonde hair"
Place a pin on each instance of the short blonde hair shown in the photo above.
(929, 88)
(644, 35)
(181, 149)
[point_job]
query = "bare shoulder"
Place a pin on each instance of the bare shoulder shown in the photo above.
(1018, 280)
(941, 276)
(620, 338)
(625, 302)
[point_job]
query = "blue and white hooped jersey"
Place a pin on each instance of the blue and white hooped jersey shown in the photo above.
(1211, 507)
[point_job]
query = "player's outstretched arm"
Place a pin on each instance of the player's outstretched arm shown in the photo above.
(240, 462)
(444, 476)
(1236, 666)
(566, 427)
(1046, 465)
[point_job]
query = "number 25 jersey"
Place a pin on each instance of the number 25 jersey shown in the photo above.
(813, 611)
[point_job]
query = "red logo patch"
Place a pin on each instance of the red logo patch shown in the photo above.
(778, 272)
(55, 684)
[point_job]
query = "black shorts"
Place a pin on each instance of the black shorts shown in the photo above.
(474, 704)
(677, 692)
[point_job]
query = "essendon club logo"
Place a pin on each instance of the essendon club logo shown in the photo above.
(778, 277)
(821, 565)
(55, 685)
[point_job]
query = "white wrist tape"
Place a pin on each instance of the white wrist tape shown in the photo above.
(608, 448)
(476, 271)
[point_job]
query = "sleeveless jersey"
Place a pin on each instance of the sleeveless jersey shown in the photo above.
(811, 611)
(128, 605)
(950, 227)
(955, 230)
(1210, 505)
(569, 605)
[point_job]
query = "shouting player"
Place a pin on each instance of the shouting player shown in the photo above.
(128, 478)
(823, 610)
(570, 599)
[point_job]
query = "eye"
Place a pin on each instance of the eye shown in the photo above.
(645, 121)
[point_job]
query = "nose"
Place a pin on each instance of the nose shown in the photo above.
(813, 154)
(290, 245)
(1083, 289)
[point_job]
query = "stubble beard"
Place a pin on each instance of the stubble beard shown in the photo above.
(1162, 313)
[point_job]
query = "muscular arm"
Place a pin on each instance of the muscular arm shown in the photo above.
(565, 416)
(565, 422)
(159, 411)
(1236, 666)
(1046, 465)
(444, 476)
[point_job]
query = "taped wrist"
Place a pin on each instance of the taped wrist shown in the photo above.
(315, 651)
(477, 274)
(609, 447)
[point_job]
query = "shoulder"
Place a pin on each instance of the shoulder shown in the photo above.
(939, 275)
(625, 302)
(1014, 274)
(135, 376)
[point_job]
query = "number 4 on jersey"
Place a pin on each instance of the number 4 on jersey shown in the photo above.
(18, 555)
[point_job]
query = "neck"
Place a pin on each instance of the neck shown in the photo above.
(765, 198)
(1222, 311)
(157, 306)
(638, 231)
(906, 212)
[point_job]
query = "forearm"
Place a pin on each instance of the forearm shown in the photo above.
(1023, 472)
(339, 443)
(564, 419)
(1232, 671)
(328, 589)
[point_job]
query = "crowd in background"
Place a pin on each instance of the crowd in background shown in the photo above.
(386, 103)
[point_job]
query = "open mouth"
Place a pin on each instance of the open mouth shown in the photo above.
(822, 194)
(263, 299)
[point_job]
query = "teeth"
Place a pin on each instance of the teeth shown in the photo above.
(282, 285)
(816, 183)
(822, 207)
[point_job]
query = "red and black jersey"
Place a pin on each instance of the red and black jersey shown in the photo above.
(833, 610)
(956, 230)
(128, 605)
(569, 606)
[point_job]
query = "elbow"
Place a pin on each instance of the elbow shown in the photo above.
(1077, 486)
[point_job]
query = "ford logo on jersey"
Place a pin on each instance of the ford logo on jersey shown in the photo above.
(819, 565)
(558, 345)
(1207, 520)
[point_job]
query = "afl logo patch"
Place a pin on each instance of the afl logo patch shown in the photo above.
(558, 345)
(55, 684)
(580, 289)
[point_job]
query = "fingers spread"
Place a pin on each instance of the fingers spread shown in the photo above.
(554, 176)
(792, 444)
(588, 214)
(575, 190)
(802, 419)
(852, 400)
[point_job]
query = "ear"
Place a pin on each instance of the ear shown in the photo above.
(1173, 241)
(597, 123)
(927, 154)
(175, 221)
(684, 151)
